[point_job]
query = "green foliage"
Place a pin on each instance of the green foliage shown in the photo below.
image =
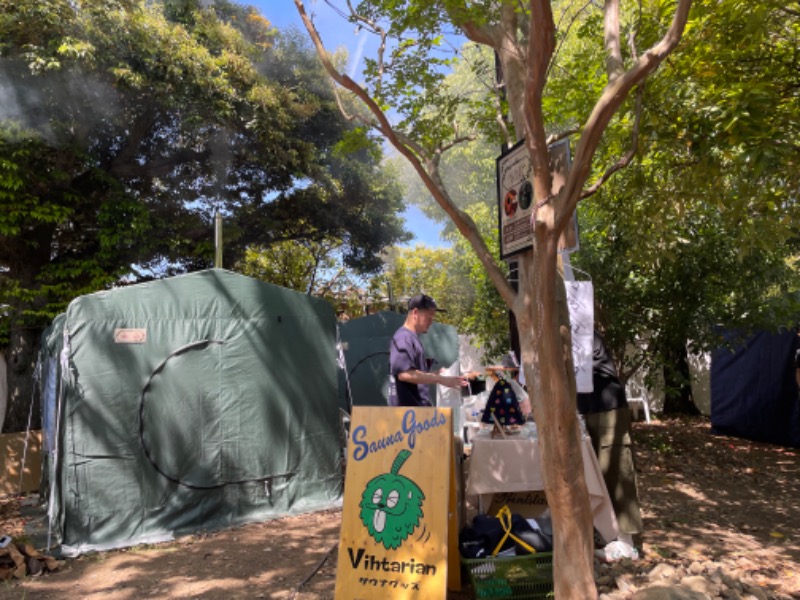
(287, 264)
(456, 279)
(468, 173)
(410, 271)
(700, 231)
(487, 319)
(131, 124)
(409, 76)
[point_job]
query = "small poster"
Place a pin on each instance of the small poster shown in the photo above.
(394, 537)
(516, 201)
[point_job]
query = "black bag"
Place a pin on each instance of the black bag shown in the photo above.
(472, 543)
(482, 538)
(539, 537)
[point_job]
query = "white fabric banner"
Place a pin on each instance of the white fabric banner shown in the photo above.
(580, 300)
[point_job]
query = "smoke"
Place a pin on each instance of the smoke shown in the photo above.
(20, 101)
(56, 104)
(356, 60)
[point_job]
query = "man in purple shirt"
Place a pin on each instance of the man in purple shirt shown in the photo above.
(407, 363)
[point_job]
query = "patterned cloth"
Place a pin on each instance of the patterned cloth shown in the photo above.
(504, 405)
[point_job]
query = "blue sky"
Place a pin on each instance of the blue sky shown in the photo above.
(335, 32)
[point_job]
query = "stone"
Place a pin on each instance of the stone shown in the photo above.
(669, 593)
(730, 594)
(756, 592)
(731, 582)
(700, 584)
(624, 582)
(604, 580)
(661, 571)
(612, 596)
(696, 568)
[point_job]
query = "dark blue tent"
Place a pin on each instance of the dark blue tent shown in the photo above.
(754, 392)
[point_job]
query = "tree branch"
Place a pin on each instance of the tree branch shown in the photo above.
(565, 30)
(614, 66)
(431, 179)
(501, 38)
(612, 98)
(488, 35)
(540, 51)
(456, 141)
(373, 27)
(628, 157)
(789, 11)
(142, 126)
(160, 167)
(555, 137)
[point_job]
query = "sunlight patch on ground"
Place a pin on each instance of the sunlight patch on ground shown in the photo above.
(694, 493)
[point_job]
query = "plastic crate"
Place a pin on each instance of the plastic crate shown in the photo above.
(528, 576)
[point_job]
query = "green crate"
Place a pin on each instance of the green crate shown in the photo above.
(529, 576)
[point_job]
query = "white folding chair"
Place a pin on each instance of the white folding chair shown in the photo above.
(637, 396)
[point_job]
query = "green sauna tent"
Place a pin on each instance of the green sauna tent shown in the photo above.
(187, 404)
(364, 376)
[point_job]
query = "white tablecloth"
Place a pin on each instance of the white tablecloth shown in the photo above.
(514, 465)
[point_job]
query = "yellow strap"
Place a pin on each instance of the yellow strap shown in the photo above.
(504, 514)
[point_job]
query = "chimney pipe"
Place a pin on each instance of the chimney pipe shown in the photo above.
(218, 240)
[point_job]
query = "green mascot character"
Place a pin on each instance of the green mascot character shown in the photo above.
(391, 505)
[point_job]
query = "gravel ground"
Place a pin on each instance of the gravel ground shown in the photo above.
(722, 520)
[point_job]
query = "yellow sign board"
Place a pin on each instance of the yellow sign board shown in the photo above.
(397, 499)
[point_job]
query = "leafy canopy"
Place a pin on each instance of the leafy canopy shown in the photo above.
(128, 125)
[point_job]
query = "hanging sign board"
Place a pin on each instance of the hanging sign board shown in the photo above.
(580, 301)
(394, 536)
(516, 202)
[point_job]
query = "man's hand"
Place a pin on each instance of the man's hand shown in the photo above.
(453, 382)
(422, 378)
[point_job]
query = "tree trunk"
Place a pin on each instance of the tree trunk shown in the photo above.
(545, 342)
(678, 397)
(22, 355)
(26, 261)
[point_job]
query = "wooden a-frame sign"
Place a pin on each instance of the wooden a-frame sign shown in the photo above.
(399, 524)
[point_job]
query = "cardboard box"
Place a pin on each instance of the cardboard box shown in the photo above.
(530, 505)
(12, 451)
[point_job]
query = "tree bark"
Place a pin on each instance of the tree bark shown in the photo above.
(22, 354)
(545, 340)
(678, 396)
(539, 305)
(25, 266)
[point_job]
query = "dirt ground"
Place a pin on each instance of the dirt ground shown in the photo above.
(705, 499)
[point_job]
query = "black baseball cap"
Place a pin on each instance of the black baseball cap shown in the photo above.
(423, 302)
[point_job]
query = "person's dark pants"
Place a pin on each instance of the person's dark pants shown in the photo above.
(611, 439)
